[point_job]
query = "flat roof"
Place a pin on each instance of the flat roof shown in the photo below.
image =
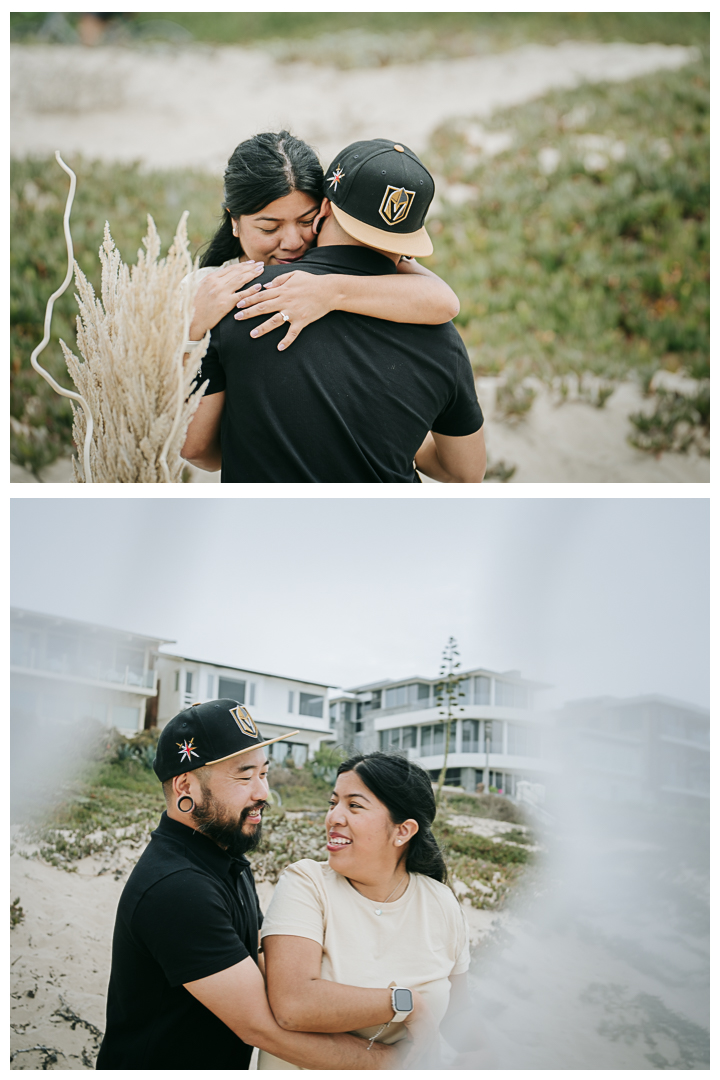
(510, 676)
(247, 670)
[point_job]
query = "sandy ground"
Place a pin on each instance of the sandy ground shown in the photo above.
(551, 992)
(60, 957)
(569, 443)
(189, 107)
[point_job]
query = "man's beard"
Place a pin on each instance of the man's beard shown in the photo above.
(227, 831)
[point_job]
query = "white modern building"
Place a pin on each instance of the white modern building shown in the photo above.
(643, 749)
(497, 739)
(63, 670)
(278, 704)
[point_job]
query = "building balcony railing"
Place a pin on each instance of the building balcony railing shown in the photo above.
(411, 706)
(143, 680)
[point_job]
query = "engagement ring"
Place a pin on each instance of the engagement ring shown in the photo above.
(285, 318)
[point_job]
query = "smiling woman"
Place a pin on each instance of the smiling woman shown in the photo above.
(342, 939)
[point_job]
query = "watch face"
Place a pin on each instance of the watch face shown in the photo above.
(403, 1001)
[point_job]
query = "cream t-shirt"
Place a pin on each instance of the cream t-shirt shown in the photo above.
(418, 941)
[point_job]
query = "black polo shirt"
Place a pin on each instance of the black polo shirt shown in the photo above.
(188, 910)
(349, 402)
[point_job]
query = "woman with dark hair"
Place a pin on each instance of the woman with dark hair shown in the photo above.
(271, 202)
(373, 939)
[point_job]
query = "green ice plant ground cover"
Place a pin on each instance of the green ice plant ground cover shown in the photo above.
(584, 246)
(561, 274)
(446, 32)
(111, 806)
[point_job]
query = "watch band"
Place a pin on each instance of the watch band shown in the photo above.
(401, 1015)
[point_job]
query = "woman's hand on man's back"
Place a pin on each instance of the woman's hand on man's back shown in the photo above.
(218, 294)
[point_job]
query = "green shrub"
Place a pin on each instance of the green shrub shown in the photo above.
(581, 270)
(478, 847)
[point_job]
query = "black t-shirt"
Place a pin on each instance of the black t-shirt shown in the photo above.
(188, 910)
(349, 402)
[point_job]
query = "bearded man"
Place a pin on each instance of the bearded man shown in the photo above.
(186, 989)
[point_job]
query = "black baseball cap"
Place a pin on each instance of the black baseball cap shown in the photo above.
(206, 733)
(380, 193)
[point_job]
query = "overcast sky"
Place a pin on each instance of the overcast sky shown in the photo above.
(595, 596)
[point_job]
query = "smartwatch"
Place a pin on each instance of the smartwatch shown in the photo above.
(402, 1003)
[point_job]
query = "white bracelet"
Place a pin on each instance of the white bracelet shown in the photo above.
(369, 1045)
(191, 344)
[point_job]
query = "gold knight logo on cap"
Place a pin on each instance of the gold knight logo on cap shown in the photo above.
(396, 204)
(244, 720)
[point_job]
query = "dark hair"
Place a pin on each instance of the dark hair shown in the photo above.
(405, 789)
(260, 170)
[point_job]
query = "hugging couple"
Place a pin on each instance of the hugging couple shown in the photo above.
(359, 375)
(360, 961)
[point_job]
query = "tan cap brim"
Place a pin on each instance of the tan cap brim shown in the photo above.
(415, 244)
(257, 746)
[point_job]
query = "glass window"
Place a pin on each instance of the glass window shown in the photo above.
(125, 718)
(311, 704)
(395, 738)
(347, 710)
(376, 699)
(439, 738)
(426, 739)
(524, 741)
(470, 737)
(177, 680)
(283, 750)
(482, 690)
(232, 688)
(252, 693)
(409, 737)
(131, 659)
(510, 695)
(396, 695)
(408, 694)
(333, 714)
(685, 768)
(291, 700)
(384, 740)
(188, 682)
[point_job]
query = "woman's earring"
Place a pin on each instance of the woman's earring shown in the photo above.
(190, 808)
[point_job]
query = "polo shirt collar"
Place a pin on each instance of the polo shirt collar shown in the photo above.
(350, 257)
(201, 847)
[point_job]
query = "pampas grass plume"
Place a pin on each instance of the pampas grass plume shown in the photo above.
(132, 374)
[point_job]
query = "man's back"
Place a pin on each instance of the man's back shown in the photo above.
(352, 399)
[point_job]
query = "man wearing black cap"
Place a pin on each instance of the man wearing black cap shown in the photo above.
(356, 399)
(186, 991)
